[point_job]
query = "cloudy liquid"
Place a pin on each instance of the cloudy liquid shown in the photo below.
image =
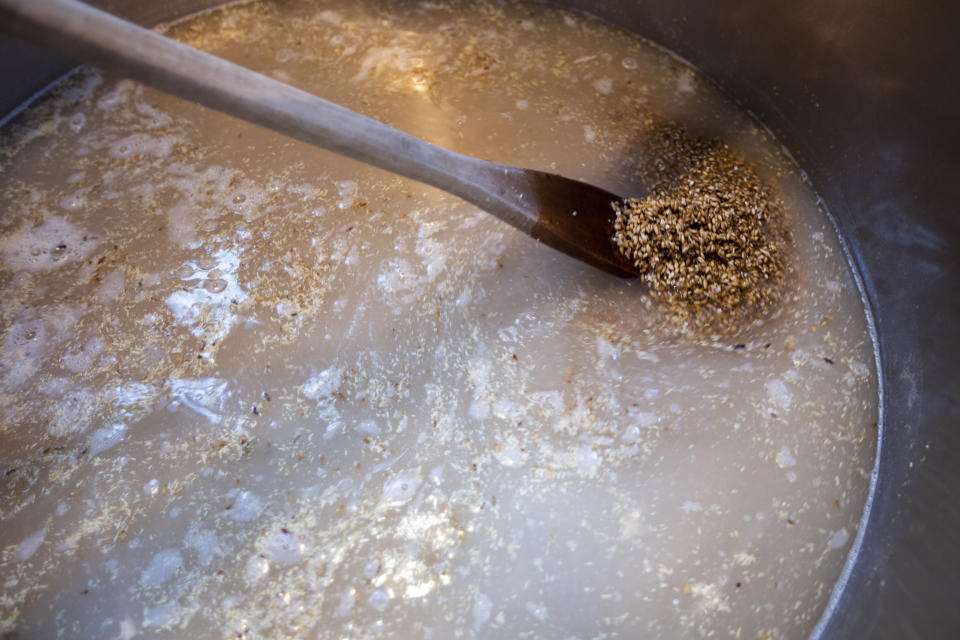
(249, 388)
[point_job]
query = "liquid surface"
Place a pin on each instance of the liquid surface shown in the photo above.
(251, 389)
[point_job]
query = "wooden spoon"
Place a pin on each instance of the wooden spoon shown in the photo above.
(568, 215)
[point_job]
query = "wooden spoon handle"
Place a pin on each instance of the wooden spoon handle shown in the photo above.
(543, 205)
(91, 35)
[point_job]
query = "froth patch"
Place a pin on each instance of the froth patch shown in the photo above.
(71, 408)
(47, 246)
(29, 545)
(206, 306)
(30, 340)
(140, 144)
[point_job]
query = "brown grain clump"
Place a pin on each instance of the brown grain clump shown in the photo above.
(708, 239)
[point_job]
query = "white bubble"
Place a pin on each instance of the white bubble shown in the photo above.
(29, 545)
(246, 506)
(838, 539)
(379, 599)
(103, 439)
(778, 393)
(401, 488)
(76, 122)
(603, 85)
(162, 568)
(323, 384)
(785, 458)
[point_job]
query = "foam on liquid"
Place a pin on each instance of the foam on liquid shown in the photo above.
(251, 389)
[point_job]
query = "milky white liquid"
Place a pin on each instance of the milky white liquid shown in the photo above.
(249, 388)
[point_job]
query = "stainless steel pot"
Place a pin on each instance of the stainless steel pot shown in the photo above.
(863, 95)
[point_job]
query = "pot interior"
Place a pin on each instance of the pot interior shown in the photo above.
(329, 383)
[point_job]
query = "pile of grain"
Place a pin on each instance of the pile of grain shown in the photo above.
(709, 238)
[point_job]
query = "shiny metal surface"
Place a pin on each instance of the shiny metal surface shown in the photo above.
(863, 95)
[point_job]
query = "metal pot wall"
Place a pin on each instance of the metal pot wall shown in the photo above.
(862, 95)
